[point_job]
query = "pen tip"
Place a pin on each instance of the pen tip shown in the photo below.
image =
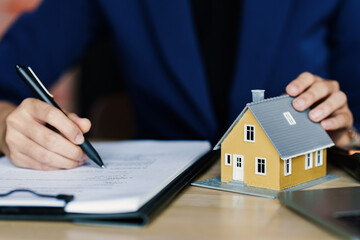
(103, 166)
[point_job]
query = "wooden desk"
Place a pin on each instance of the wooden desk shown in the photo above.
(198, 213)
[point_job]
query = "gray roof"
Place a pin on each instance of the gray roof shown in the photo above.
(289, 140)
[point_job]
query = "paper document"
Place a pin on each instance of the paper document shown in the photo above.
(135, 172)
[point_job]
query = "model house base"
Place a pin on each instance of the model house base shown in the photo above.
(241, 187)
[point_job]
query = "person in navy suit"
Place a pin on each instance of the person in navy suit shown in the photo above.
(189, 67)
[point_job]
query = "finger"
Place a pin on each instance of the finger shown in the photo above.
(301, 83)
(340, 119)
(52, 141)
(83, 123)
(42, 155)
(23, 161)
(334, 102)
(48, 114)
(314, 93)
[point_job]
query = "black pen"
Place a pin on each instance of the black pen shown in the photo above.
(30, 78)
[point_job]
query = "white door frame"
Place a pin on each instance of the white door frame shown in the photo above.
(238, 172)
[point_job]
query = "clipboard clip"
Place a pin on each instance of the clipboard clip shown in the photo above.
(20, 210)
(64, 197)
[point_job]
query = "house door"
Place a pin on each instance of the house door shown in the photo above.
(238, 167)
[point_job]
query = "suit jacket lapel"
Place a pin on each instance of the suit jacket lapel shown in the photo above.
(262, 28)
(175, 33)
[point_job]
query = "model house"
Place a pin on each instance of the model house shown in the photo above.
(271, 145)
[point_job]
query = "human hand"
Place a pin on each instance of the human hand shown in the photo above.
(327, 102)
(29, 143)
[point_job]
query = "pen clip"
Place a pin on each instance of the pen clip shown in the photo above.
(39, 82)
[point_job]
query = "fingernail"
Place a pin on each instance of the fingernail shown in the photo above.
(79, 139)
(299, 103)
(316, 114)
(292, 89)
(84, 157)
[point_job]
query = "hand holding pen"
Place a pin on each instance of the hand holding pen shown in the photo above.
(29, 143)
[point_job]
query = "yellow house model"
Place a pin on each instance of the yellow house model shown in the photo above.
(271, 145)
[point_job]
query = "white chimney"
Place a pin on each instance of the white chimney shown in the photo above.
(257, 95)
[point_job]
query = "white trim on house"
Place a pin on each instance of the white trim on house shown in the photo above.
(303, 153)
(319, 161)
(251, 137)
(238, 169)
(287, 171)
(308, 161)
(227, 159)
(262, 171)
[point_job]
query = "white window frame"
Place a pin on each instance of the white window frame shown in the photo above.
(226, 158)
(307, 167)
(287, 162)
(256, 166)
(317, 154)
(245, 133)
(289, 118)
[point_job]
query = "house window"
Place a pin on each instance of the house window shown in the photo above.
(249, 133)
(308, 161)
(319, 158)
(238, 161)
(287, 167)
(289, 118)
(260, 167)
(227, 159)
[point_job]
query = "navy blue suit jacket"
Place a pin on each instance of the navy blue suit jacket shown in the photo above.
(158, 54)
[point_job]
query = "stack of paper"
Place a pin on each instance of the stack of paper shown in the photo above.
(135, 172)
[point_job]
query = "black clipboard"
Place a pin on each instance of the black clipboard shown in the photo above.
(139, 218)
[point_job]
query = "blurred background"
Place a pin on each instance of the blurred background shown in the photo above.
(77, 89)
(9, 12)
